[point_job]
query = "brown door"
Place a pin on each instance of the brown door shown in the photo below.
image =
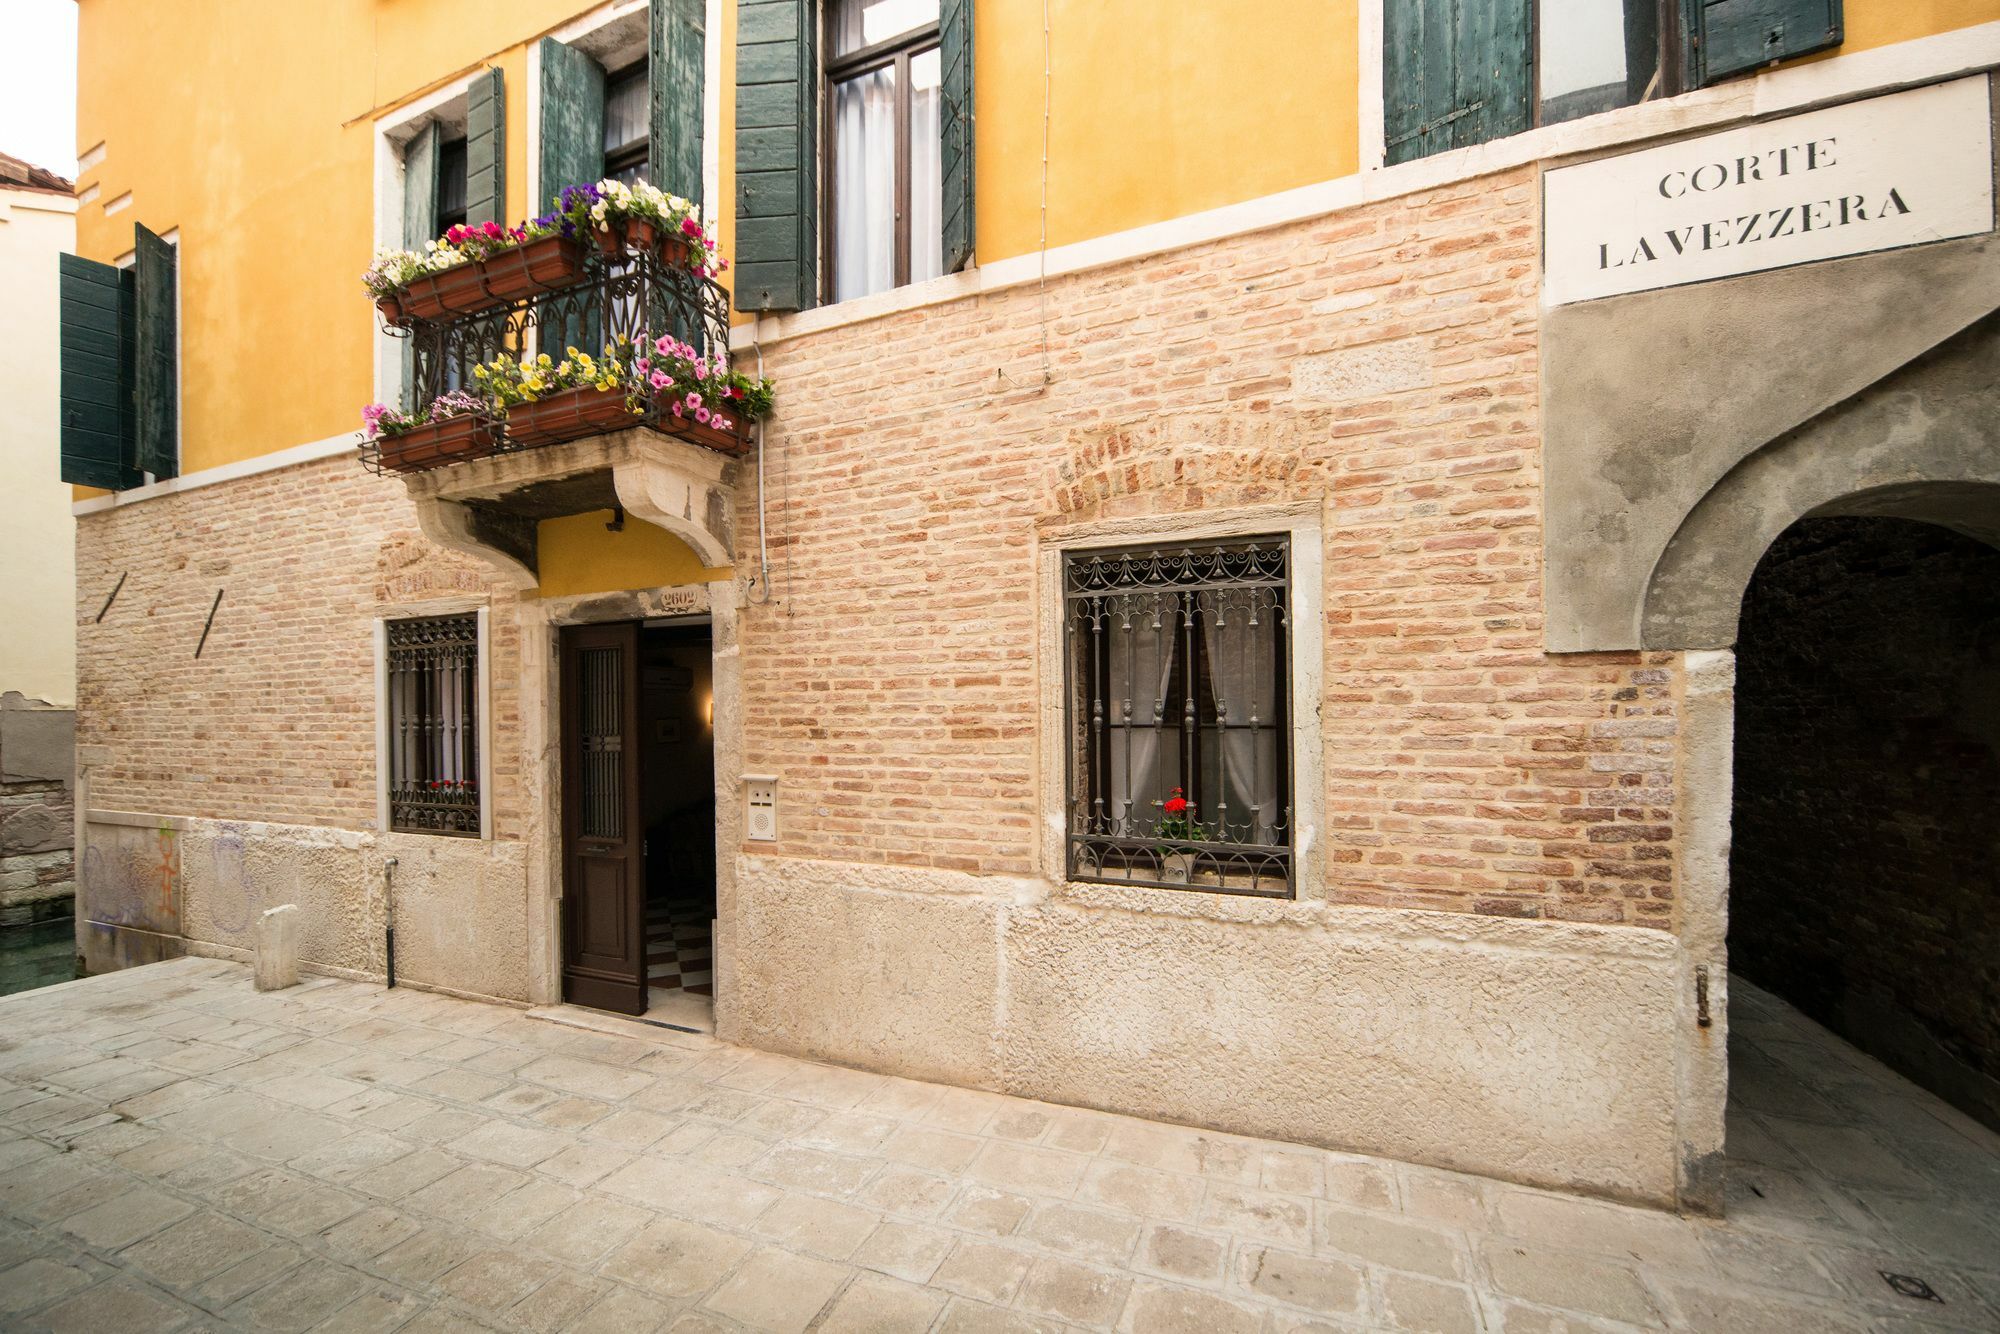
(604, 881)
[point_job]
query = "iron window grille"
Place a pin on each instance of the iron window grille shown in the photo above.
(433, 677)
(1177, 681)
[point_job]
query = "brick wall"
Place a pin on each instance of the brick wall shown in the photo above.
(276, 720)
(1865, 870)
(1383, 360)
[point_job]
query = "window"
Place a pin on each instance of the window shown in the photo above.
(119, 387)
(884, 220)
(451, 196)
(432, 679)
(1463, 72)
(1178, 770)
(1594, 55)
(627, 124)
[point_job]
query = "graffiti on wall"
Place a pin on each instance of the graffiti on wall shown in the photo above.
(131, 876)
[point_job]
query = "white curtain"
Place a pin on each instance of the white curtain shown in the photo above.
(1143, 633)
(1238, 626)
(926, 168)
(864, 156)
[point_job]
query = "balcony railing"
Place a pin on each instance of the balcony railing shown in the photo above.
(566, 294)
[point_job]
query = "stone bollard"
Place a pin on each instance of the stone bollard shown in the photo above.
(278, 948)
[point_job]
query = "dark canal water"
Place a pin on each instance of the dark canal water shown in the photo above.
(35, 956)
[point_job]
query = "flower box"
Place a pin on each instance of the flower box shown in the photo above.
(391, 308)
(570, 414)
(735, 440)
(437, 443)
(458, 290)
(546, 264)
(638, 236)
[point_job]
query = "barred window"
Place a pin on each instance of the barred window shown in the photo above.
(1179, 735)
(433, 680)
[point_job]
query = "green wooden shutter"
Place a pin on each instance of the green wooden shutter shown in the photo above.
(1454, 73)
(486, 148)
(777, 155)
(420, 222)
(572, 120)
(676, 52)
(156, 356)
(955, 125)
(1735, 36)
(96, 375)
(420, 186)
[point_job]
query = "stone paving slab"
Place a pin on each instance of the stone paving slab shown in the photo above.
(179, 1151)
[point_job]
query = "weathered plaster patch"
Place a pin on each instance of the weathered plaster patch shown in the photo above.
(1368, 371)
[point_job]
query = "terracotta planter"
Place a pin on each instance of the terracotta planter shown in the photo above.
(548, 264)
(638, 236)
(569, 415)
(458, 290)
(736, 440)
(391, 308)
(438, 443)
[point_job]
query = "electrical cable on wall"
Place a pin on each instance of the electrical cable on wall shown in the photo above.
(763, 545)
(1042, 279)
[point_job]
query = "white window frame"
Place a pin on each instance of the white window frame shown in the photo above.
(1303, 525)
(483, 699)
(393, 132)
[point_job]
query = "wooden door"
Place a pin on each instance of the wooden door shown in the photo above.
(604, 881)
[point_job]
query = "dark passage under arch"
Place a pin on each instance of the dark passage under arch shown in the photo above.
(1865, 861)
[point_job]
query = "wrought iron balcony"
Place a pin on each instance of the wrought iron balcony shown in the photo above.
(548, 297)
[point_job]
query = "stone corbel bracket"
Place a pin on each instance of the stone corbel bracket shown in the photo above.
(489, 508)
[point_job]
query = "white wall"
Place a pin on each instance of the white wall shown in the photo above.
(37, 532)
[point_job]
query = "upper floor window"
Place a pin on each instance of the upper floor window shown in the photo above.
(119, 387)
(1463, 72)
(451, 194)
(884, 217)
(627, 124)
(1179, 759)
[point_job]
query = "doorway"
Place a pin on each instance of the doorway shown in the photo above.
(1865, 863)
(638, 798)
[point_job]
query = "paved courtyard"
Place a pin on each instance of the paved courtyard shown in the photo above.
(177, 1150)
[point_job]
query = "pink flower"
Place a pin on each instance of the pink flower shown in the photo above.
(689, 227)
(661, 380)
(694, 400)
(677, 408)
(701, 415)
(642, 365)
(664, 345)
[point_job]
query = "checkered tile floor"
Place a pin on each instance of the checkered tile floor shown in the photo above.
(677, 948)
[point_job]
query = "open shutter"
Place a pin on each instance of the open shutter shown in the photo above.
(156, 356)
(1736, 36)
(420, 222)
(572, 121)
(486, 148)
(676, 51)
(96, 373)
(420, 186)
(777, 155)
(1454, 73)
(955, 126)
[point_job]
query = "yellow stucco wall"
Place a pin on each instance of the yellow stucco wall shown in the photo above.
(1872, 23)
(261, 149)
(577, 554)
